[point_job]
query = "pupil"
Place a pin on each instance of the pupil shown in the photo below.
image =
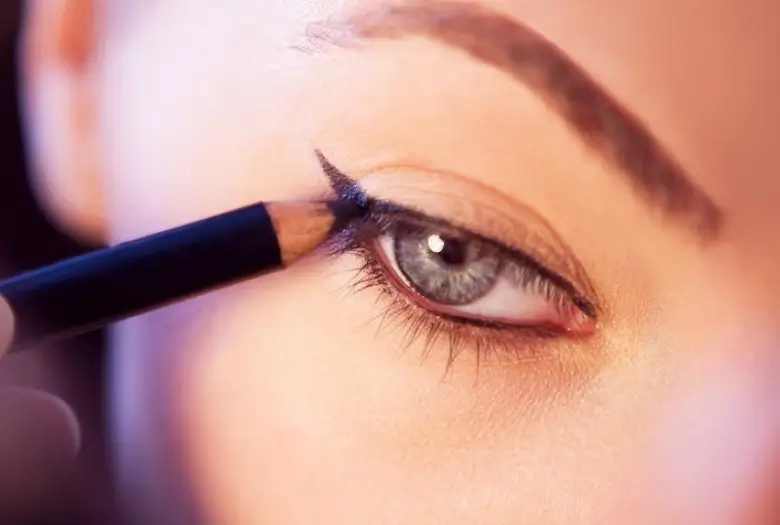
(451, 251)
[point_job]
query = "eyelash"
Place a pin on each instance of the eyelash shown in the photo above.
(485, 338)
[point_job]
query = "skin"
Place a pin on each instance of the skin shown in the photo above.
(278, 401)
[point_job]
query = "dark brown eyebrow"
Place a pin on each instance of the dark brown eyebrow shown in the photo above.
(602, 122)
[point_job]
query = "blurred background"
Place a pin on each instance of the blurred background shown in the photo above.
(84, 495)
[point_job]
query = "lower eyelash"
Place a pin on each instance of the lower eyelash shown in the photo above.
(484, 339)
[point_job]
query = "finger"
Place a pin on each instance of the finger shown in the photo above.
(6, 325)
(39, 436)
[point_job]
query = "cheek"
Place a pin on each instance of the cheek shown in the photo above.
(292, 412)
(280, 406)
(284, 401)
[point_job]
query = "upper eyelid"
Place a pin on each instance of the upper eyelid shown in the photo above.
(502, 220)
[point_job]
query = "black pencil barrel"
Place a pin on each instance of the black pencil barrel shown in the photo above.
(90, 291)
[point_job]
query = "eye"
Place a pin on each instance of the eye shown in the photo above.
(458, 275)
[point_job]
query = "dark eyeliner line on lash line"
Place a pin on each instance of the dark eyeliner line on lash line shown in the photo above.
(348, 189)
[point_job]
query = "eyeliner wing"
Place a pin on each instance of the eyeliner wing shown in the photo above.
(344, 186)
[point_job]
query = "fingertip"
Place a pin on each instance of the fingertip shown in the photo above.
(39, 440)
(57, 418)
(46, 424)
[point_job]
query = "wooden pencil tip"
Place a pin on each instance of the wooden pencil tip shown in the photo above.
(303, 226)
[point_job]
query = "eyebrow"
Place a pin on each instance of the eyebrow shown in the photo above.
(600, 121)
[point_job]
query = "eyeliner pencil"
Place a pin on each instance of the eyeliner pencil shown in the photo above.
(78, 295)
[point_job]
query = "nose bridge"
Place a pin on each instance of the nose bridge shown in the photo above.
(717, 439)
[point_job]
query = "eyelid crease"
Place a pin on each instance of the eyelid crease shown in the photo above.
(459, 202)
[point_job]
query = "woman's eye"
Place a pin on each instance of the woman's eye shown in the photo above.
(454, 274)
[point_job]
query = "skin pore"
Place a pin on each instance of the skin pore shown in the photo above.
(288, 401)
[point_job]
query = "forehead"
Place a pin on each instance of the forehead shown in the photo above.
(701, 74)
